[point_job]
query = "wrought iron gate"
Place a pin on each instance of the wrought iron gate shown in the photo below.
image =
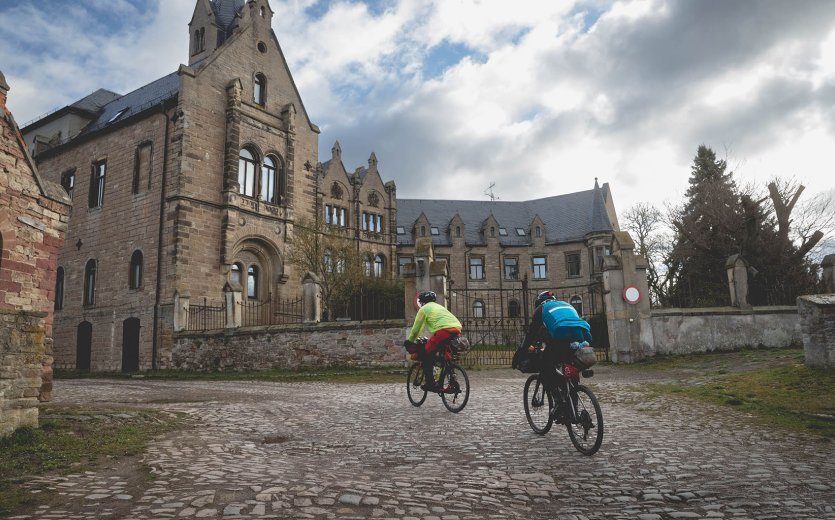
(495, 320)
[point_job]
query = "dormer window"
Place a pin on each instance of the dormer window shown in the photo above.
(119, 114)
(259, 92)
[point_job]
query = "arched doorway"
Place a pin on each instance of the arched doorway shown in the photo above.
(130, 345)
(83, 345)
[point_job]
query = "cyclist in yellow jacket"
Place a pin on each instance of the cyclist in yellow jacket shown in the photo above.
(442, 324)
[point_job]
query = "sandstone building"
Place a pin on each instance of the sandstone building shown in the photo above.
(556, 243)
(33, 219)
(190, 188)
(190, 183)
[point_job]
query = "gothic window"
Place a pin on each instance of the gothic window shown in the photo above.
(68, 181)
(513, 309)
(199, 40)
(378, 266)
(259, 93)
(476, 268)
(373, 199)
(141, 165)
(457, 231)
(366, 265)
(90, 283)
(336, 191)
(492, 231)
(423, 231)
(135, 281)
(478, 309)
(246, 173)
(538, 231)
(340, 261)
(540, 268)
(252, 282)
(268, 179)
(59, 289)
(97, 184)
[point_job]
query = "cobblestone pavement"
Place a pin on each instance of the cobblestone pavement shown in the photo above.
(317, 450)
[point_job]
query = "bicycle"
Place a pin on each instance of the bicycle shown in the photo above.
(581, 414)
(455, 385)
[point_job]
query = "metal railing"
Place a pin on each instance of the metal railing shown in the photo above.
(271, 312)
(206, 317)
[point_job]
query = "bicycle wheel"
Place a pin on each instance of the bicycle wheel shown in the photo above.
(538, 404)
(456, 388)
(586, 429)
(413, 381)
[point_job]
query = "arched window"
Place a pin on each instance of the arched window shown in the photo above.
(478, 309)
(68, 182)
(366, 265)
(458, 231)
(577, 303)
(268, 178)
(59, 289)
(236, 273)
(90, 283)
(423, 231)
(246, 173)
(538, 231)
(259, 91)
(252, 282)
(135, 275)
(378, 266)
(513, 309)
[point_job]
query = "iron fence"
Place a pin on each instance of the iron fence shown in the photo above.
(271, 312)
(206, 317)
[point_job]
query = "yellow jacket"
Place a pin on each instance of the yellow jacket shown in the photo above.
(434, 316)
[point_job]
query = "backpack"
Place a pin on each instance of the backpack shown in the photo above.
(562, 322)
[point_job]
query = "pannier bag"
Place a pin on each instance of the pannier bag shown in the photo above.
(459, 344)
(584, 356)
(527, 361)
(563, 322)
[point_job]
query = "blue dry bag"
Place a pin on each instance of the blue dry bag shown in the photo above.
(563, 322)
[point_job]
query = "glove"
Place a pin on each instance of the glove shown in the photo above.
(407, 343)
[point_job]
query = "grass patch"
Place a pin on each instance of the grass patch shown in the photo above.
(790, 396)
(70, 440)
(717, 361)
(328, 374)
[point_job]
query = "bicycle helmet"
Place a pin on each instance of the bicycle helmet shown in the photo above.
(426, 297)
(543, 297)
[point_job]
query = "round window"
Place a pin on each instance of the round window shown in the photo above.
(262, 47)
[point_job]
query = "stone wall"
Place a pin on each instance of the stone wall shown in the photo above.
(817, 322)
(685, 331)
(22, 340)
(263, 348)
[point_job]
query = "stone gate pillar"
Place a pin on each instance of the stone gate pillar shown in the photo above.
(626, 296)
(817, 324)
(181, 307)
(737, 268)
(232, 293)
(312, 301)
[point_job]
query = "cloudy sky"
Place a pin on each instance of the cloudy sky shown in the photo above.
(536, 96)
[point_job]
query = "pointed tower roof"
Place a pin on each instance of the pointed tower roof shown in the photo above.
(226, 11)
(599, 217)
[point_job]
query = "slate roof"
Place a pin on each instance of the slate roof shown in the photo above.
(93, 102)
(135, 102)
(225, 11)
(567, 218)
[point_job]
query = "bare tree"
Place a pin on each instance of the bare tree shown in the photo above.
(651, 232)
(332, 256)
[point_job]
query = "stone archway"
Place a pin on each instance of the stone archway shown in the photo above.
(261, 268)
